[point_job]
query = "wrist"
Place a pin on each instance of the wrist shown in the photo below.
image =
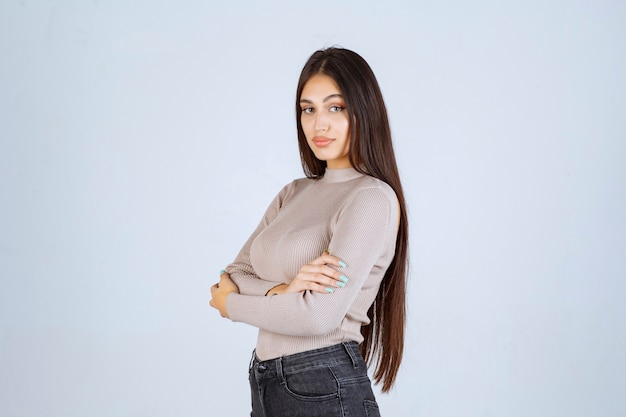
(278, 289)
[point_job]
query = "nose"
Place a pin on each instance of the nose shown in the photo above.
(322, 123)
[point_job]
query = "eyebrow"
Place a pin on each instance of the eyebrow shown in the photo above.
(337, 95)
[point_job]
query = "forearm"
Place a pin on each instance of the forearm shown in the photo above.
(295, 314)
(249, 283)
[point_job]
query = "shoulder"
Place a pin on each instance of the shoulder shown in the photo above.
(294, 187)
(370, 198)
(370, 204)
(376, 189)
(297, 184)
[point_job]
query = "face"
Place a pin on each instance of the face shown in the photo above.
(325, 121)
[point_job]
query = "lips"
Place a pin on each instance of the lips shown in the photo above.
(321, 141)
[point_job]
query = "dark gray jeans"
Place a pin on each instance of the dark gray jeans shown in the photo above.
(328, 382)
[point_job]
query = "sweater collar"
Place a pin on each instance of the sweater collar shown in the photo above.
(340, 175)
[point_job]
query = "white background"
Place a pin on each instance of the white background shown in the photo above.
(141, 143)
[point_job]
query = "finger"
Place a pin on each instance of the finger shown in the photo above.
(322, 274)
(312, 286)
(337, 276)
(329, 278)
(321, 268)
(322, 289)
(327, 258)
(224, 276)
(315, 281)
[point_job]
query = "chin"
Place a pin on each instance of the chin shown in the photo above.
(324, 158)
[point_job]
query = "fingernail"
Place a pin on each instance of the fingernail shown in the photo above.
(342, 264)
(343, 278)
(329, 290)
(341, 284)
(222, 271)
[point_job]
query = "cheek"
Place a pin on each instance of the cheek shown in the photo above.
(347, 129)
(346, 123)
(305, 122)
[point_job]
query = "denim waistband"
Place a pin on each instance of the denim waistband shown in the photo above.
(327, 356)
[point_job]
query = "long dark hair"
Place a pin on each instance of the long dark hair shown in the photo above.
(371, 153)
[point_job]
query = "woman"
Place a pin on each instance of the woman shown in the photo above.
(323, 276)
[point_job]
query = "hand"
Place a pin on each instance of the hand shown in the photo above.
(220, 291)
(316, 276)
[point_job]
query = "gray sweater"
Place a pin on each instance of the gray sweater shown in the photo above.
(352, 215)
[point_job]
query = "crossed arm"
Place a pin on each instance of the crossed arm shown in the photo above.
(364, 236)
(317, 276)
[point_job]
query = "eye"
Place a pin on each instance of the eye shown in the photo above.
(336, 108)
(307, 110)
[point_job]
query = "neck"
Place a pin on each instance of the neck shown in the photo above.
(340, 174)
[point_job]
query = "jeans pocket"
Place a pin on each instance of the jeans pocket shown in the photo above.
(312, 384)
(371, 408)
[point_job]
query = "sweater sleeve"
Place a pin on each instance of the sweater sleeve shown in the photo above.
(240, 270)
(364, 237)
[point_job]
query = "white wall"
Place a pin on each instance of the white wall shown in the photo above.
(140, 144)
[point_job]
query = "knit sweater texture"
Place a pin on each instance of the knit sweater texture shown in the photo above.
(355, 217)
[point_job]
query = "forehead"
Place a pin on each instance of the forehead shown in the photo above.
(320, 86)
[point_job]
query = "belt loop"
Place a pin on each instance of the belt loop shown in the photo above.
(350, 352)
(279, 371)
(252, 360)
